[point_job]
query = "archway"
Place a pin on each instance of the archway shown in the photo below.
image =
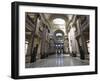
(59, 41)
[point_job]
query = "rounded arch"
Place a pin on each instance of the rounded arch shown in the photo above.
(58, 31)
(59, 26)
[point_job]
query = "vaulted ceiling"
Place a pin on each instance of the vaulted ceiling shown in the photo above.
(48, 19)
(51, 17)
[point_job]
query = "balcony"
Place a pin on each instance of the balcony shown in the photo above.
(85, 24)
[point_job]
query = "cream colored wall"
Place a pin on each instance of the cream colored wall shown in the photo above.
(39, 50)
(66, 46)
(73, 46)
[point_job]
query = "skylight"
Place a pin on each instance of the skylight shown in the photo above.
(59, 21)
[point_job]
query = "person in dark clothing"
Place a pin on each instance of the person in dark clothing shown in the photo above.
(82, 55)
(33, 57)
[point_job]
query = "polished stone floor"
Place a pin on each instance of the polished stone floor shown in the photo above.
(58, 61)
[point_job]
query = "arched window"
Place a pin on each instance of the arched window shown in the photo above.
(59, 34)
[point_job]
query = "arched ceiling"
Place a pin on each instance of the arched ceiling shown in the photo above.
(49, 17)
(53, 16)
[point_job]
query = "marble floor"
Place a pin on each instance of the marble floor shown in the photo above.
(58, 61)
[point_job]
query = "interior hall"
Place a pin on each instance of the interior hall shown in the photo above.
(53, 40)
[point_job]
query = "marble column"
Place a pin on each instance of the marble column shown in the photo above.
(29, 55)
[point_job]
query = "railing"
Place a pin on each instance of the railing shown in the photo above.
(85, 24)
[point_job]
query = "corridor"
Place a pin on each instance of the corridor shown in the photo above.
(55, 40)
(57, 61)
